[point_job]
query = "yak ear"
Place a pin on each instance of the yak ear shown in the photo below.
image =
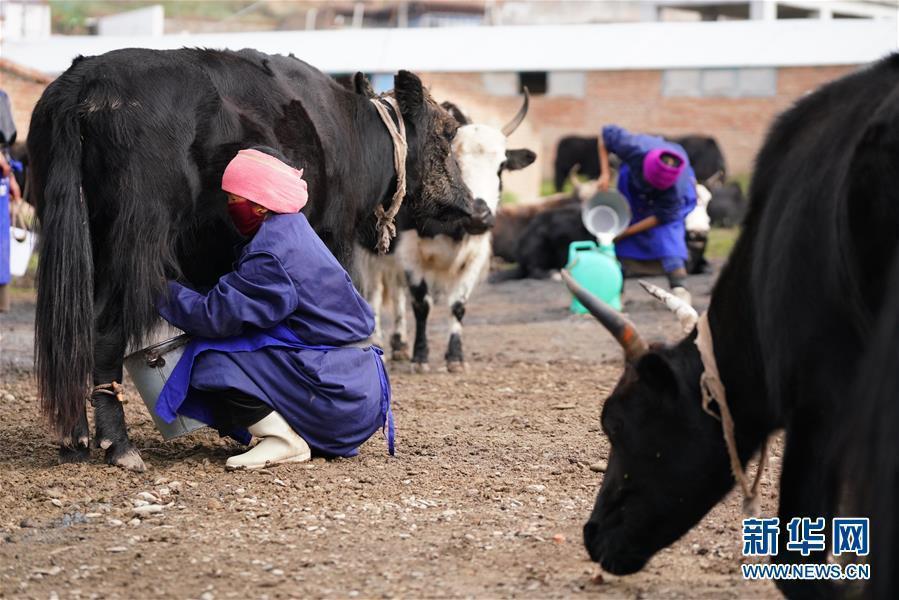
(457, 114)
(655, 371)
(409, 93)
(362, 85)
(519, 159)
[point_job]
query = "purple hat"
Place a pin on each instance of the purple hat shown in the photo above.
(657, 173)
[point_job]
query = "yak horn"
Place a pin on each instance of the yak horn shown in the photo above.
(512, 125)
(572, 176)
(685, 313)
(618, 325)
(715, 179)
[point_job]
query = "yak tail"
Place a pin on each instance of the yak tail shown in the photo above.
(870, 458)
(64, 313)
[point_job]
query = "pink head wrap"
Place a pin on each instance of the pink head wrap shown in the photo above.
(266, 181)
(657, 173)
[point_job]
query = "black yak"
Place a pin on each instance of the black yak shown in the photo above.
(794, 321)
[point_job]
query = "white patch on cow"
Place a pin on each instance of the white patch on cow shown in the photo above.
(698, 218)
(383, 281)
(481, 151)
(441, 260)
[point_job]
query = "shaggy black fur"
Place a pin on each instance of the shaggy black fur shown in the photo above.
(868, 447)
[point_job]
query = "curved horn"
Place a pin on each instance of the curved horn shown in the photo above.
(618, 325)
(512, 125)
(685, 313)
(715, 179)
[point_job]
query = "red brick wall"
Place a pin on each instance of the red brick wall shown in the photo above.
(634, 100)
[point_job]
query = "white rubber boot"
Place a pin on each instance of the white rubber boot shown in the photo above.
(278, 444)
(683, 294)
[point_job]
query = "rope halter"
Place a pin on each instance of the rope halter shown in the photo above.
(386, 218)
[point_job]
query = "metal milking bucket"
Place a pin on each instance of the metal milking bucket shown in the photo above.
(605, 215)
(149, 369)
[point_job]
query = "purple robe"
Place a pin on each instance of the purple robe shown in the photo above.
(286, 327)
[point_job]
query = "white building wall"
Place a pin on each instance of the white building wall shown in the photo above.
(23, 20)
(625, 46)
(149, 21)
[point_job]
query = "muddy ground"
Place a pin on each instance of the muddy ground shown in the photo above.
(493, 480)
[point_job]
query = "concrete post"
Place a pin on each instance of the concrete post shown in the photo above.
(763, 10)
(649, 11)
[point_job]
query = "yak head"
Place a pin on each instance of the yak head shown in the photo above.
(483, 154)
(668, 464)
(437, 197)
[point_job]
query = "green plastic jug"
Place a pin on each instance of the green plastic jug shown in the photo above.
(596, 268)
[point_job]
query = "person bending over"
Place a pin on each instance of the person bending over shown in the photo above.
(659, 184)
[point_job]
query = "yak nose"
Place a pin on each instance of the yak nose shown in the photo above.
(480, 208)
(482, 218)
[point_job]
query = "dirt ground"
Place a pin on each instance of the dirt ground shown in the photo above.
(493, 480)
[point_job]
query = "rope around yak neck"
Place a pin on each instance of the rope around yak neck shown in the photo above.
(713, 390)
(386, 223)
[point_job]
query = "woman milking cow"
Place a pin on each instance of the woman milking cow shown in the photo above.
(106, 255)
(279, 351)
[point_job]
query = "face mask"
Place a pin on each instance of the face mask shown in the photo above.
(246, 217)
